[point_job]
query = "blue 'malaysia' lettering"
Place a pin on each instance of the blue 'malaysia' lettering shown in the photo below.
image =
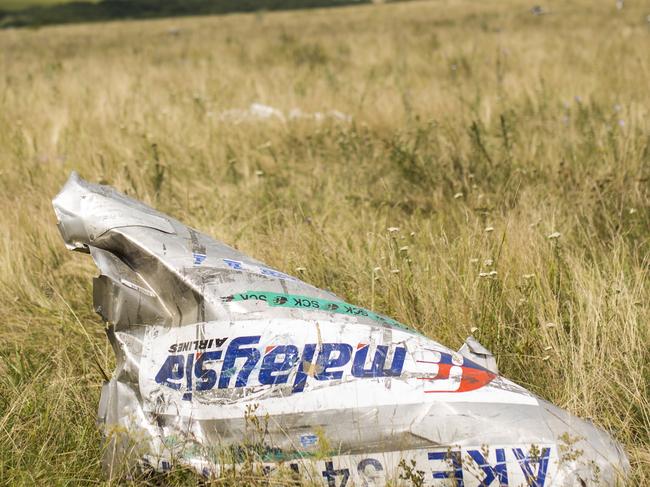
(322, 362)
(332, 356)
(206, 378)
(378, 366)
(277, 364)
(304, 369)
(172, 371)
(234, 351)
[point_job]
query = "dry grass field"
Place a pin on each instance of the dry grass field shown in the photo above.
(511, 150)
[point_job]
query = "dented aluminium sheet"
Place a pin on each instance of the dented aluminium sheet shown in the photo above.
(205, 337)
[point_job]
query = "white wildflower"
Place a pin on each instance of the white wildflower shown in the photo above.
(487, 274)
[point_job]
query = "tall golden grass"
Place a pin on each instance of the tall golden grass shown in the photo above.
(511, 151)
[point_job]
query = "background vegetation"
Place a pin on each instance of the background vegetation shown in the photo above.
(511, 149)
(63, 12)
(12, 5)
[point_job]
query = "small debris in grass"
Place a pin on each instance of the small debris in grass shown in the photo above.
(537, 10)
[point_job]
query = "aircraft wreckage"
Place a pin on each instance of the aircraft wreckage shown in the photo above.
(205, 337)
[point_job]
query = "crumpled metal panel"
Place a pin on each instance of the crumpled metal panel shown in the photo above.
(204, 335)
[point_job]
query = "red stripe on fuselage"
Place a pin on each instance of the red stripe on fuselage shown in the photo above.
(471, 378)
